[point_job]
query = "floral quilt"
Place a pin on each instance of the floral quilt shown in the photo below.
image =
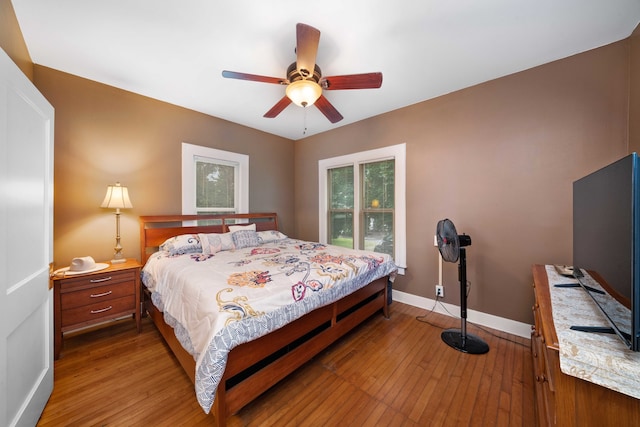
(217, 301)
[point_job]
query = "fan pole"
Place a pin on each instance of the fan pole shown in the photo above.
(462, 277)
(459, 339)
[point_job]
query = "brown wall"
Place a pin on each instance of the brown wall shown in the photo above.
(11, 40)
(104, 135)
(499, 160)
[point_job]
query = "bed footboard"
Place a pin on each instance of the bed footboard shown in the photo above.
(254, 367)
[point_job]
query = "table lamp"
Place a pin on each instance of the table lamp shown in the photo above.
(117, 198)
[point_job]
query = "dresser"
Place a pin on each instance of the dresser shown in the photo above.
(573, 399)
(87, 299)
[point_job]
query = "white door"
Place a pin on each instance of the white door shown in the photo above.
(26, 247)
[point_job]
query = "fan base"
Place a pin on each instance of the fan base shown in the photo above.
(472, 343)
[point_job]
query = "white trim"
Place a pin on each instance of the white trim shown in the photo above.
(398, 153)
(476, 317)
(189, 153)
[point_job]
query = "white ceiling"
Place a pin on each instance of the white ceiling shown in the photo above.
(175, 51)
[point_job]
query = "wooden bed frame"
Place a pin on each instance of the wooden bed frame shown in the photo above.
(254, 367)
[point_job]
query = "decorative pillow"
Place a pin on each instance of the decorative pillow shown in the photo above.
(270, 236)
(233, 228)
(245, 239)
(182, 244)
(216, 242)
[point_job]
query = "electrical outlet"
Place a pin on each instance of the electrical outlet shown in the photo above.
(439, 291)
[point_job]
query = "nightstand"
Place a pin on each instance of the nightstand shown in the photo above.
(83, 300)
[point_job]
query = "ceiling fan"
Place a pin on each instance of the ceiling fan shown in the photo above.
(304, 80)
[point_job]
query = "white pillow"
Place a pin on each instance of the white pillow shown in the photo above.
(182, 244)
(216, 242)
(270, 236)
(251, 227)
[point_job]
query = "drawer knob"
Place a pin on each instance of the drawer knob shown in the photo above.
(104, 279)
(104, 294)
(102, 310)
(541, 378)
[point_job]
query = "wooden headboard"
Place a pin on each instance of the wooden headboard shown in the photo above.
(154, 230)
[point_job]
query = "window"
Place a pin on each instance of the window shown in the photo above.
(340, 212)
(362, 201)
(214, 181)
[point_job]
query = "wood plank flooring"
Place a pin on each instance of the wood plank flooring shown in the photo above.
(388, 372)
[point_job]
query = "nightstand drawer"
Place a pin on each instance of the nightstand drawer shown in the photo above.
(90, 281)
(97, 294)
(100, 310)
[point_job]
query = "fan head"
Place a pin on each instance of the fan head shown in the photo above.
(449, 242)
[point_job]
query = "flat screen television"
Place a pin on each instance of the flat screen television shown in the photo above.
(606, 242)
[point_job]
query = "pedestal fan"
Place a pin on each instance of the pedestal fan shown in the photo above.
(451, 247)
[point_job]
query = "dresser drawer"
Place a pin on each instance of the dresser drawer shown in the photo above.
(544, 393)
(97, 294)
(100, 310)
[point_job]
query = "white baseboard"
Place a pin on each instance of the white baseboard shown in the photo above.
(476, 317)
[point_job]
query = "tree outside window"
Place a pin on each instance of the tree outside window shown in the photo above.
(362, 202)
(377, 207)
(215, 186)
(214, 181)
(341, 206)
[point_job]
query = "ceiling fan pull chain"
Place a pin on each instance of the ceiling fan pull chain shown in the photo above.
(304, 121)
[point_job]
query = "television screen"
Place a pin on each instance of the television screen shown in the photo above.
(606, 227)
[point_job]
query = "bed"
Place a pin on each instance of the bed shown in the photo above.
(241, 305)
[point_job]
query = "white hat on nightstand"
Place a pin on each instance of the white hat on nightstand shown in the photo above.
(82, 265)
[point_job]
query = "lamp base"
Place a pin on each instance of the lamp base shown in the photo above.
(118, 261)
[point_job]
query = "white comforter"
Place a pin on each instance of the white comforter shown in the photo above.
(216, 302)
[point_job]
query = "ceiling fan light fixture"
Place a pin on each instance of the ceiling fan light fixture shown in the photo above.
(303, 92)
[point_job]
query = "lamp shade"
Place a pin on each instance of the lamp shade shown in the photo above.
(303, 92)
(117, 197)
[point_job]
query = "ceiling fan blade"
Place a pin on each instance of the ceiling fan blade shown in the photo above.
(277, 109)
(328, 110)
(352, 81)
(253, 77)
(307, 40)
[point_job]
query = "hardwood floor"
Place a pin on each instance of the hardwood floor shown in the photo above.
(388, 372)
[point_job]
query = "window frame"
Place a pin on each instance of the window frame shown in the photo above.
(191, 153)
(395, 152)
